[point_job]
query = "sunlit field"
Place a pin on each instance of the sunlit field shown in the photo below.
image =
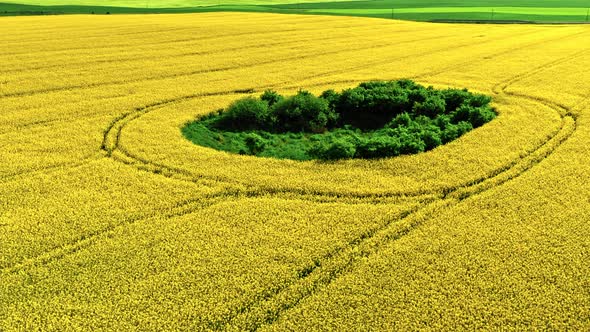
(110, 219)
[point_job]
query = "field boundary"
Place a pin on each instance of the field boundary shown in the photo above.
(295, 8)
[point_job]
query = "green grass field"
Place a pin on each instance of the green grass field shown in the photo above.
(421, 10)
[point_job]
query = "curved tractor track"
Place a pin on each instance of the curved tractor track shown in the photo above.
(267, 307)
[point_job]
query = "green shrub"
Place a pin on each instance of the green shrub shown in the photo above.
(255, 143)
(410, 144)
(442, 121)
(372, 104)
(379, 147)
(479, 100)
(403, 119)
(245, 114)
(374, 120)
(303, 112)
(431, 107)
(331, 97)
(454, 98)
(337, 149)
(477, 116)
(407, 84)
(271, 97)
(431, 136)
(418, 95)
(482, 116)
(454, 131)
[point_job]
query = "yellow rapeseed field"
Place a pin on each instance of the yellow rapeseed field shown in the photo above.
(111, 220)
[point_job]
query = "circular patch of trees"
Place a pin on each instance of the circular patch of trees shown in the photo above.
(376, 119)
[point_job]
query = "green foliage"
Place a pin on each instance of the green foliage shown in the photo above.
(374, 120)
(303, 112)
(379, 146)
(403, 119)
(432, 137)
(245, 114)
(431, 107)
(371, 104)
(454, 98)
(331, 97)
(271, 97)
(453, 131)
(337, 149)
(475, 116)
(254, 143)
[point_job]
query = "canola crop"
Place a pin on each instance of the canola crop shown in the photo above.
(111, 220)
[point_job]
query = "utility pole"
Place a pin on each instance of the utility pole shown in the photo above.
(587, 14)
(392, 13)
(492, 14)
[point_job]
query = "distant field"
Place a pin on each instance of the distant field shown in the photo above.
(350, 4)
(422, 10)
(464, 13)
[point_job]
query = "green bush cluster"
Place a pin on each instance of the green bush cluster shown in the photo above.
(373, 120)
(272, 112)
(409, 137)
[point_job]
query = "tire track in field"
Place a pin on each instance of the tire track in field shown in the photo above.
(179, 209)
(498, 54)
(320, 275)
(252, 193)
(112, 148)
(110, 144)
(449, 197)
(49, 122)
(52, 168)
(85, 240)
(328, 268)
(255, 191)
(262, 63)
(268, 314)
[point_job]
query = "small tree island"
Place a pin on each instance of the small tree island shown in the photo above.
(376, 119)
